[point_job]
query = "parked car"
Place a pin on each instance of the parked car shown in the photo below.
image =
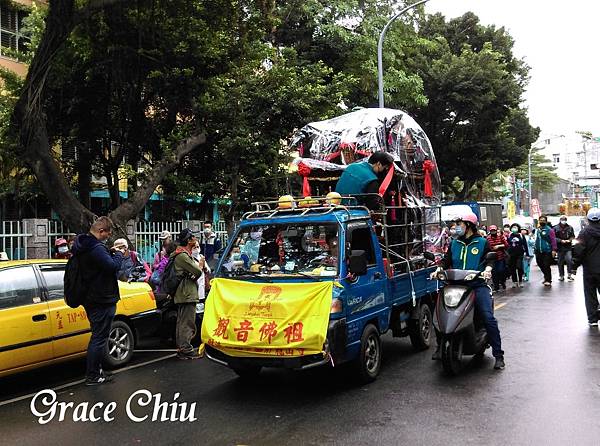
(37, 328)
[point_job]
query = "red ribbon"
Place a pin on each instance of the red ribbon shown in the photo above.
(428, 167)
(304, 171)
(386, 181)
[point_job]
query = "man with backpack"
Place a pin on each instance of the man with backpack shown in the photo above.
(586, 252)
(96, 270)
(184, 292)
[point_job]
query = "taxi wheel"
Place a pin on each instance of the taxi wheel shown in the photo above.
(121, 343)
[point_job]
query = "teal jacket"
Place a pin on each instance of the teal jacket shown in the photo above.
(467, 253)
(545, 239)
(355, 179)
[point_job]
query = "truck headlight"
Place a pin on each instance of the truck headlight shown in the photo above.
(452, 296)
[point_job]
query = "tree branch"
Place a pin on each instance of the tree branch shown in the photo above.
(138, 200)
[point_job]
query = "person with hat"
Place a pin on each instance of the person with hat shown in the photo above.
(186, 297)
(586, 253)
(565, 234)
(210, 245)
(133, 269)
(468, 252)
(498, 244)
(517, 249)
(62, 249)
(164, 240)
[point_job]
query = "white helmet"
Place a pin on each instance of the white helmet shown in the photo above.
(593, 214)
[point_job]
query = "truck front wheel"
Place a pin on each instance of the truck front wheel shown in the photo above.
(368, 363)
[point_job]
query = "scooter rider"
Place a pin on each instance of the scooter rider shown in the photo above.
(468, 251)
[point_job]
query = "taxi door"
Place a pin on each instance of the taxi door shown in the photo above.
(70, 326)
(25, 333)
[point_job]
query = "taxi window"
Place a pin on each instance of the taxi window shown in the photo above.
(18, 287)
(54, 278)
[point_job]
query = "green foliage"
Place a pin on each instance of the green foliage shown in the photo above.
(474, 86)
(137, 78)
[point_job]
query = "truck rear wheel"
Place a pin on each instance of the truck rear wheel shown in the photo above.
(368, 363)
(419, 329)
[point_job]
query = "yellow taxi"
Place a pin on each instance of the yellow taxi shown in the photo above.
(38, 328)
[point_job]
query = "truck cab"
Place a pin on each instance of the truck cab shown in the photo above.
(378, 283)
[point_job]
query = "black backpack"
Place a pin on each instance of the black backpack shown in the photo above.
(75, 285)
(170, 281)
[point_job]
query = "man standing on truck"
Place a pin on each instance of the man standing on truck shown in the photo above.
(362, 178)
(468, 252)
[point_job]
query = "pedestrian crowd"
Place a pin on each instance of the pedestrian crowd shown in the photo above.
(516, 246)
(190, 256)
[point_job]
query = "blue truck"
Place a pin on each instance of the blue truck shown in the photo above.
(381, 274)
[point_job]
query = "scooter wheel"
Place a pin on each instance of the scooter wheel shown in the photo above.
(452, 353)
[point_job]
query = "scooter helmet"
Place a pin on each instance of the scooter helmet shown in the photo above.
(469, 218)
(59, 242)
(593, 214)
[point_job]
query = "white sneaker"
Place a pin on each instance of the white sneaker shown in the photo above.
(570, 278)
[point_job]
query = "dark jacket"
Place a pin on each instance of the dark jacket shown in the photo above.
(565, 232)
(517, 245)
(99, 269)
(586, 251)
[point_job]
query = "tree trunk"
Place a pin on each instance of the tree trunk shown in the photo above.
(84, 177)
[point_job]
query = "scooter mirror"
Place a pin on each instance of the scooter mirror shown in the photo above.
(491, 256)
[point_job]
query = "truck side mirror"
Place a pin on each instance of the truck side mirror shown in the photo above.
(358, 263)
(429, 256)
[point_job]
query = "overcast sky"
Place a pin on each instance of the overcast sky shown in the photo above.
(559, 40)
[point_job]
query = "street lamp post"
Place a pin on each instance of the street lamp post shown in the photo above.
(529, 177)
(380, 49)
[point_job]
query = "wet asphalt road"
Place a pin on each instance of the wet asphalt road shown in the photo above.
(549, 394)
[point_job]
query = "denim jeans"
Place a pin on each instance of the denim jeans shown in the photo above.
(499, 274)
(565, 256)
(101, 318)
(483, 304)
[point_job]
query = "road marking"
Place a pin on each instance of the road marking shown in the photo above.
(81, 381)
(497, 307)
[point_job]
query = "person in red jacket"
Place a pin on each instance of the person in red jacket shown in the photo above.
(498, 244)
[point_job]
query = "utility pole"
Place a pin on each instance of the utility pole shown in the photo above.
(380, 49)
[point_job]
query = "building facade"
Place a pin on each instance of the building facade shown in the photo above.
(576, 158)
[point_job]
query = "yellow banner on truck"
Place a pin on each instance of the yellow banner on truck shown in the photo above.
(267, 319)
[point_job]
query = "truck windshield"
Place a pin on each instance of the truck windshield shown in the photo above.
(282, 250)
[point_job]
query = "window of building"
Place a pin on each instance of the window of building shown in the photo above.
(18, 286)
(11, 25)
(594, 166)
(556, 158)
